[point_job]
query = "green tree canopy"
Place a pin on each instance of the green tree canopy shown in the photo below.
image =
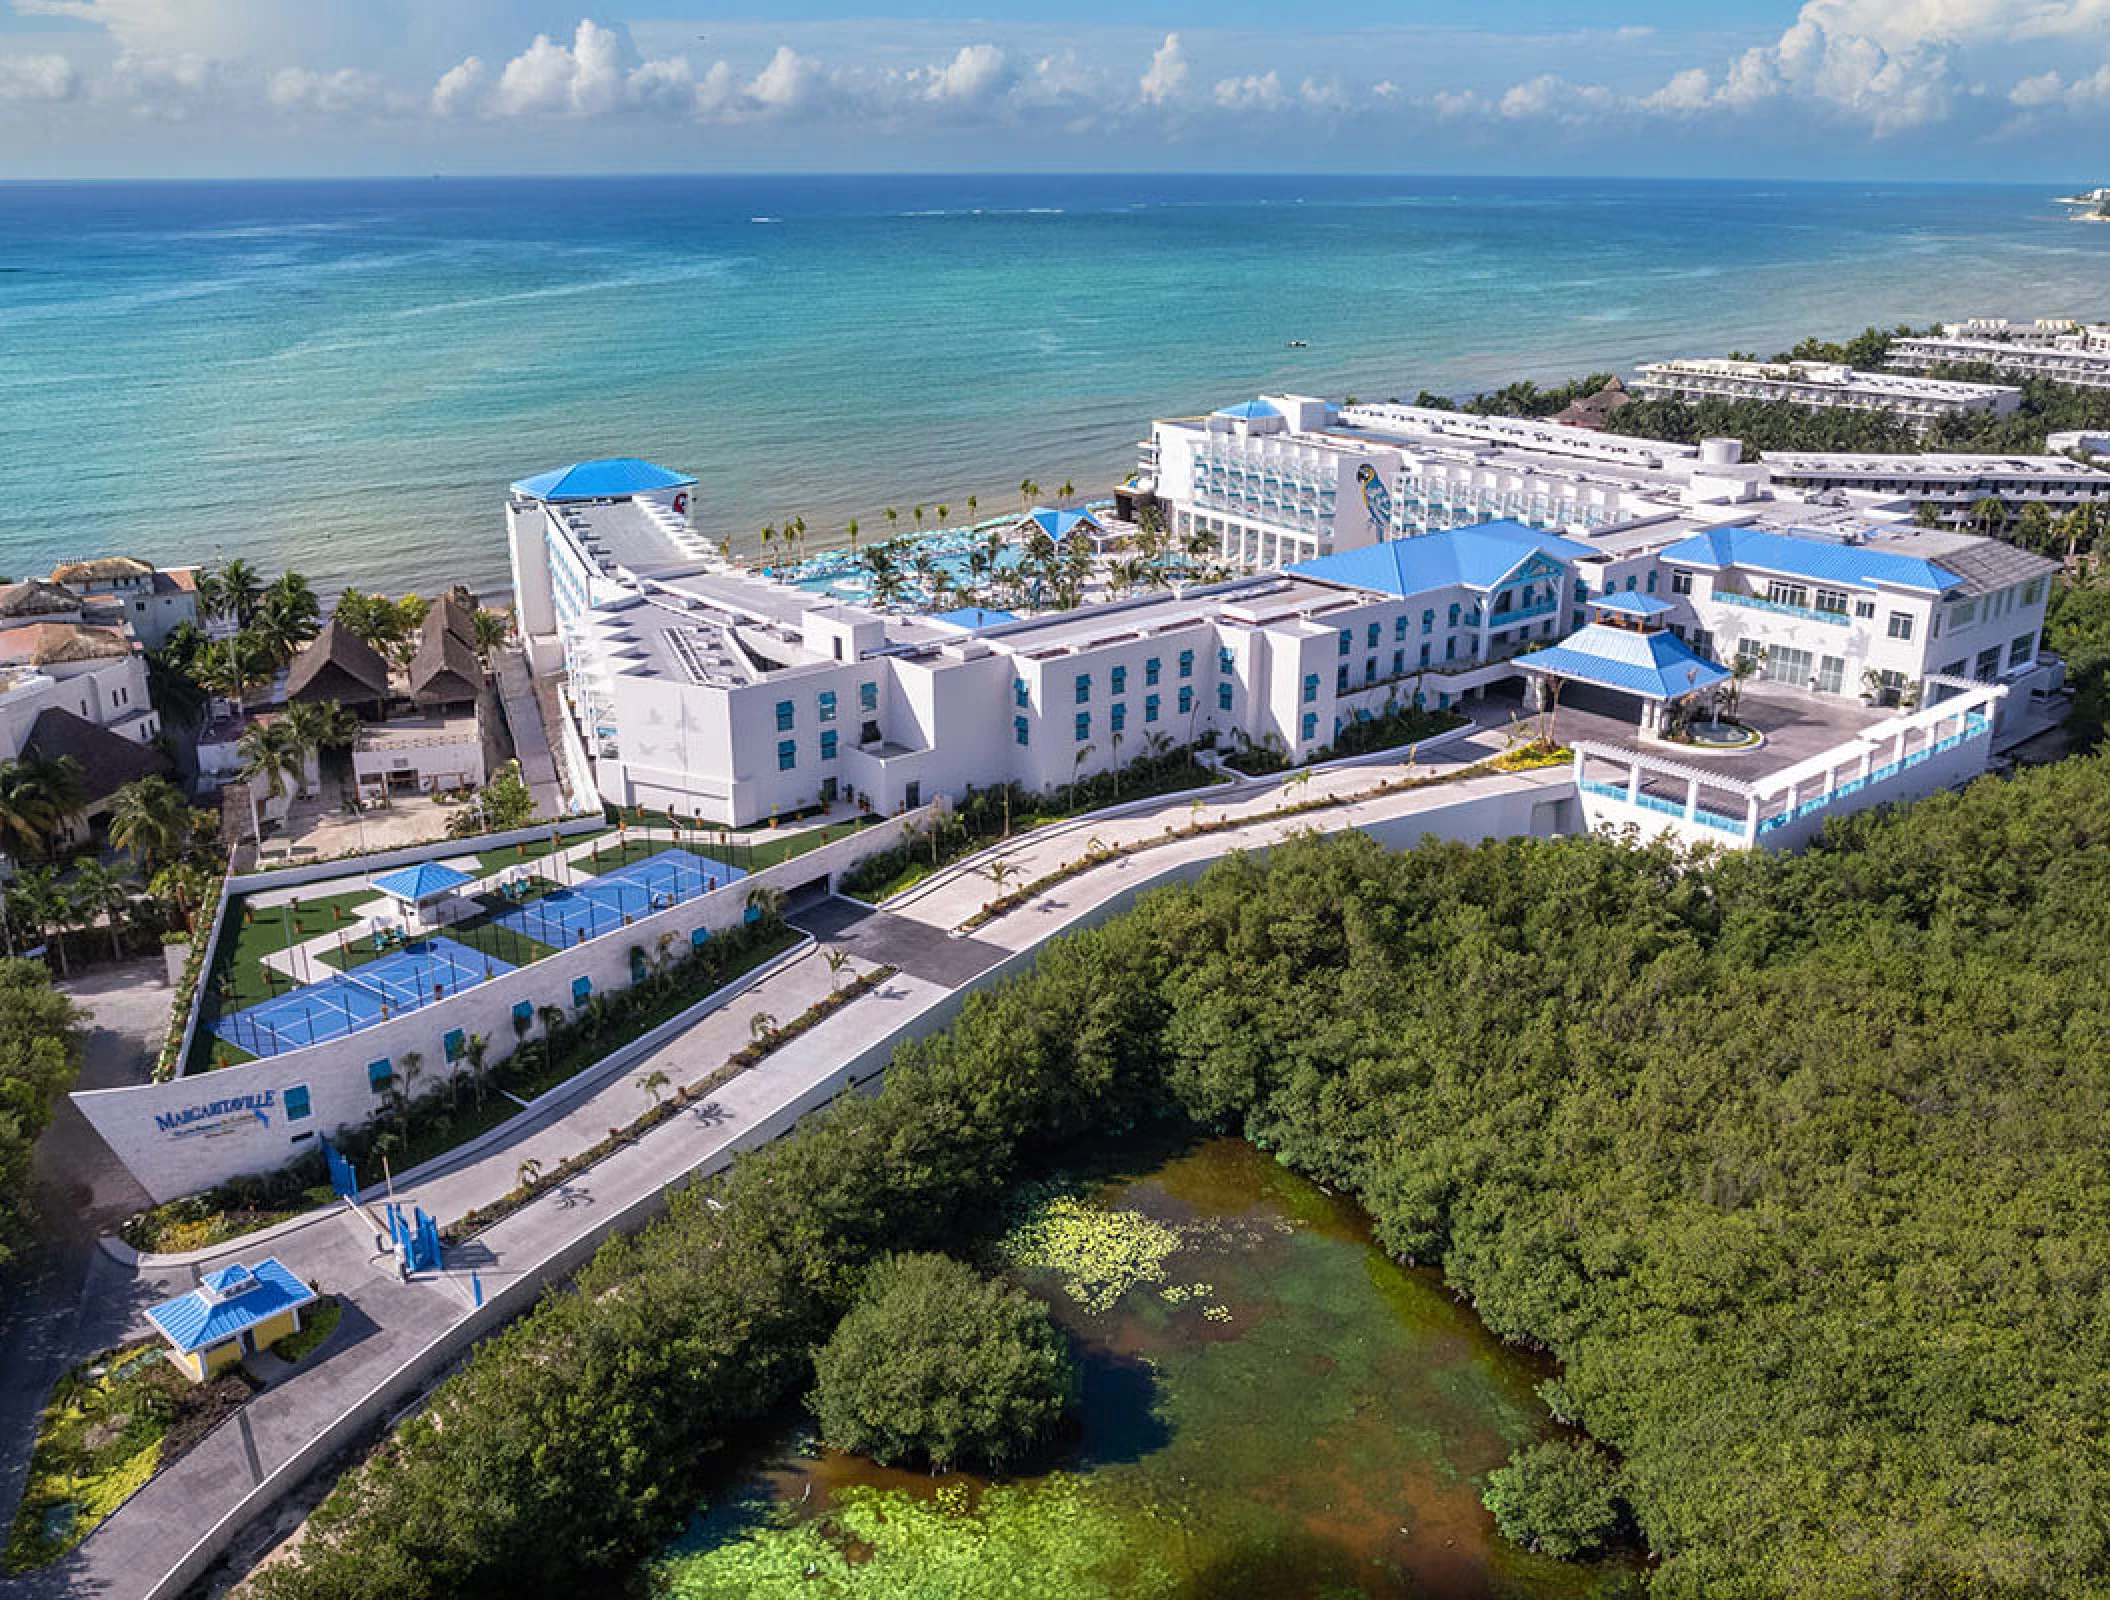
(1560, 1497)
(935, 1364)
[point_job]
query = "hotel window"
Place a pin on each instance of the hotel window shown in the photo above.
(1680, 583)
(1186, 663)
(828, 744)
(1428, 622)
(1347, 640)
(1988, 663)
(1150, 708)
(1963, 613)
(1831, 675)
(1311, 687)
(1953, 670)
(1371, 640)
(783, 716)
(1454, 613)
(2033, 591)
(297, 1102)
(1021, 696)
(1226, 661)
(868, 697)
(1399, 662)
(1370, 670)
(1865, 610)
(868, 733)
(380, 1074)
(1019, 732)
(1424, 652)
(1900, 626)
(1832, 602)
(1652, 580)
(1084, 726)
(1118, 716)
(1399, 628)
(2022, 650)
(1450, 649)
(1186, 701)
(787, 754)
(1310, 726)
(1119, 677)
(1340, 679)
(1631, 580)
(1150, 671)
(455, 1045)
(1223, 696)
(827, 705)
(1784, 665)
(1084, 687)
(1788, 594)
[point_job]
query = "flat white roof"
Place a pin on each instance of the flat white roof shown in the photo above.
(1822, 375)
(1930, 466)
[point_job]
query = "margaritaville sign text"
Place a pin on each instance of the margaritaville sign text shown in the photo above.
(218, 1116)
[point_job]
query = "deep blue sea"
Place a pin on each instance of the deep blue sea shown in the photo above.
(344, 376)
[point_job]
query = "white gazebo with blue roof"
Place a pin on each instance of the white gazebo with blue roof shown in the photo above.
(426, 890)
(1064, 525)
(1626, 650)
(234, 1311)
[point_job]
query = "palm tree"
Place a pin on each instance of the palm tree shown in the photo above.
(231, 667)
(767, 902)
(760, 1026)
(1067, 492)
(231, 590)
(38, 795)
(974, 503)
(652, 1082)
(151, 819)
(491, 629)
(1028, 491)
(175, 693)
(100, 892)
(893, 515)
(837, 960)
(272, 751)
(1001, 873)
(185, 883)
(36, 901)
(475, 1049)
(853, 535)
(527, 1172)
(919, 516)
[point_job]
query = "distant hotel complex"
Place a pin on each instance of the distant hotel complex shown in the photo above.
(1920, 402)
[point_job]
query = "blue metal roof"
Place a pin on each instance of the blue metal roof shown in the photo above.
(421, 882)
(1249, 409)
(1657, 666)
(1479, 557)
(1820, 560)
(1630, 603)
(227, 1302)
(975, 617)
(1059, 525)
(613, 479)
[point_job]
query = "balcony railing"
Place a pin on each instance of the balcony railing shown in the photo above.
(1807, 613)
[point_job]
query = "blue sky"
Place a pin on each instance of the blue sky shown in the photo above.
(1974, 89)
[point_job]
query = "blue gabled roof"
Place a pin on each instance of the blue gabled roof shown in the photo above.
(975, 617)
(420, 882)
(1249, 409)
(228, 1301)
(1657, 666)
(1478, 557)
(612, 479)
(1631, 603)
(1059, 525)
(1819, 560)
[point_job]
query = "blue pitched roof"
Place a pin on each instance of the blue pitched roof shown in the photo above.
(1249, 409)
(975, 617)
(1820, 560)
(1059, 525)
(1478, 557)
(1657, 666)
(228, 1301)
(420, 882)
(601, 480)
(1630, 603)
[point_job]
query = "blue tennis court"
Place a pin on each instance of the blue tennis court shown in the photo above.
(603, 904)
(402, 981)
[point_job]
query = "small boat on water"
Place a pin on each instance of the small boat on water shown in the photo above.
(1298, 344)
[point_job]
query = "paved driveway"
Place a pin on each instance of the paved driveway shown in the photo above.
(882, 938)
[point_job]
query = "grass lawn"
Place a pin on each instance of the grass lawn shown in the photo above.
(317, 1323)
(240, 979)
(109, 1425)
(489, 861)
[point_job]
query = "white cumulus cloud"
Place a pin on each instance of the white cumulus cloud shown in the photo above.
(978, 72)
(330, 93)
(1255, 92)
(458, 88)
(1167, 73)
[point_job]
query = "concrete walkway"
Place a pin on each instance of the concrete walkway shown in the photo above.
(538, 766)
(396, 1335)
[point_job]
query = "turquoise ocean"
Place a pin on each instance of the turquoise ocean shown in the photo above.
(343, 377)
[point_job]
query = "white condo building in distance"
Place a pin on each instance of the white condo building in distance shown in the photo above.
(1918, 401)
(1954, 483)
(2067, 353)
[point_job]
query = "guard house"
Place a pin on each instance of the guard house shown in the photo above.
(233, 1312)
(427, 892)
(1623, 655)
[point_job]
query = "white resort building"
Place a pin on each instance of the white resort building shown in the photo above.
(1918, 401)
(1956, 484)
(2061, 353)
